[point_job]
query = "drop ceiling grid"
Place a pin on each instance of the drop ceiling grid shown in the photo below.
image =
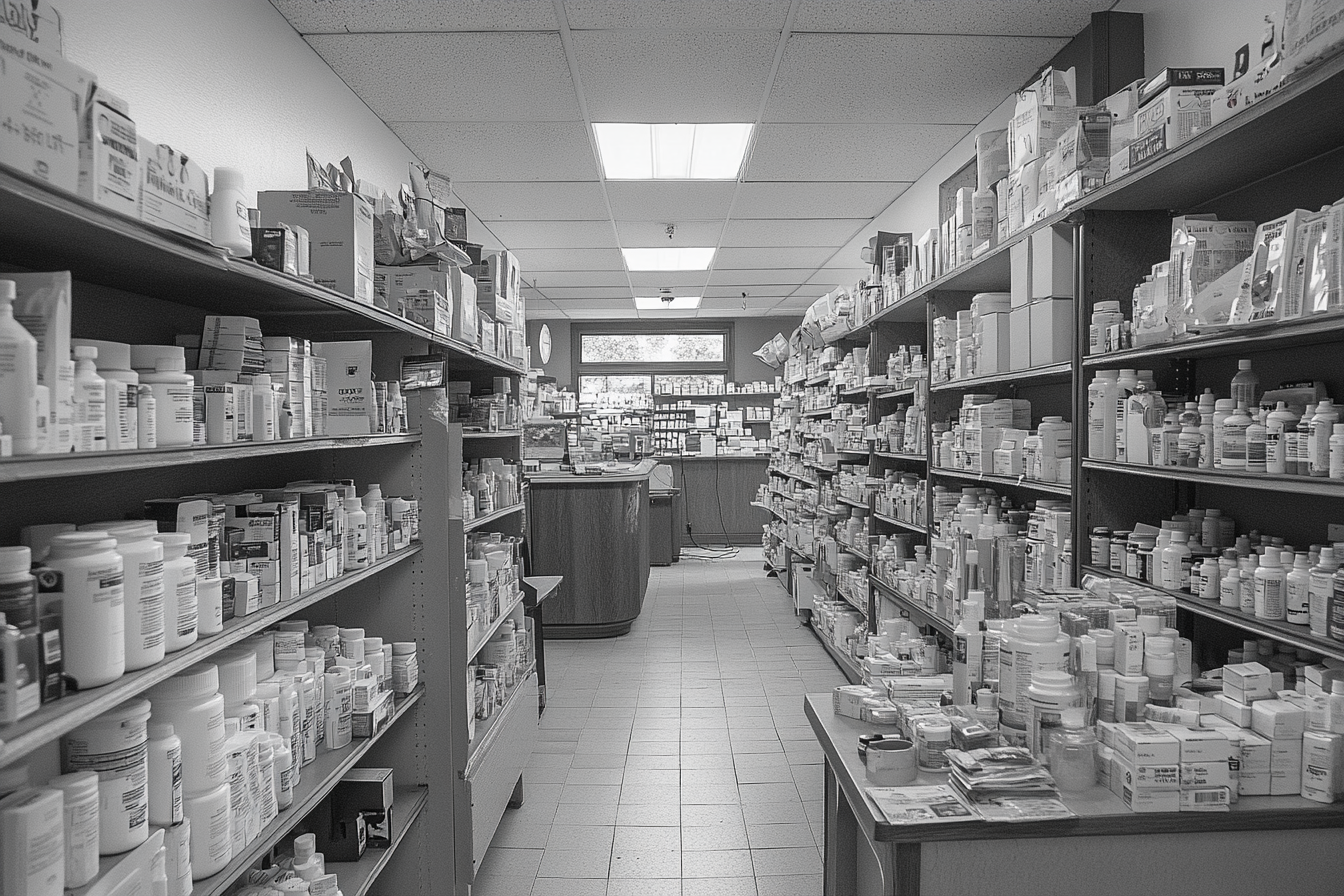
(852, 102)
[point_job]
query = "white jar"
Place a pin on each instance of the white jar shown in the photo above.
(80, 790)
(32, 860)
(209, 605)
(282, 770)
(237, 676)
(172, 388)
(230, 227)
(143, 559)
(1048, 695)
(116, 746)
(165, 775)
(1032, 644)
(266, 779)
(352, 644)
(177, 857)
(190, 701)
(210, 817)
(405, 667)
(93, 620)
(179, 591)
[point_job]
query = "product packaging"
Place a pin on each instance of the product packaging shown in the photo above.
(175, 192)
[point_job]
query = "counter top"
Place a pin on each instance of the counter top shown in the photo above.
(612, 473)
(1100, 813)
(692, 458)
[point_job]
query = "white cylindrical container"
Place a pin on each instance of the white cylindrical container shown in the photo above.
(177, 858)
(179, 591)
(32, 843)
(89, 401)
(210, 816)
(18, 587)
(115, 745)
(282, 770)
(266, 778)
(338, 696)
(1101, 404)
(230, 227)
(1131, 696)
(165, 775)
(1279, 425)
(190, 701)
(144, 601)
(172, 389)
(405, 667)
(1318, 439)
(80, 809)
(1270, 587)
(933, 738)
(1032, 644)
(352, 644)
(1336, 452)
(93, 619)
(237, 677)
(18, 378)
(209, 605)
(1159, 665)
(374, 508)
(146, 418)
(1048, 695)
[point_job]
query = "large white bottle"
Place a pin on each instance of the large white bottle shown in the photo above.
(1318, 441)
(1279, 427)
(1319, 590)
(356, 534)
(90, 401)
(1246, 386)
(230, 227)
(374, 509)
(1270, 585)
(18, 377)
(1101, 398)
(1175, 562)
(1234, 427)
(1125, 385)
(1298, 600)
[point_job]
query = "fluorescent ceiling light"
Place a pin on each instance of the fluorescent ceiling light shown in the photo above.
(660, 303)
(671, 258)
(710, 151)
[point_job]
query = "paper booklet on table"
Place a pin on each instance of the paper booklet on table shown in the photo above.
(930, 804)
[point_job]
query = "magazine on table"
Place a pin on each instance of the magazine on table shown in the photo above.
(924, 804)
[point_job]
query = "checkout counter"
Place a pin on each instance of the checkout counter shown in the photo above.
(595, 531)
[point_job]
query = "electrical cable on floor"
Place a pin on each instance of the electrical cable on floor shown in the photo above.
(699, 551)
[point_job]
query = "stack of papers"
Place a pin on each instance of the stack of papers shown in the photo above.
(1005, 784)
(920, 804)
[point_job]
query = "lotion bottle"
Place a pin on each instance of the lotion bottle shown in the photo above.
(230, 227)
(18, 377)
(90, 401)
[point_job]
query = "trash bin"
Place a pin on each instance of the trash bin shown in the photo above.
(664, 540)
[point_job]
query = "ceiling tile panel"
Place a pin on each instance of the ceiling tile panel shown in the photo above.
(850, 152)
(654, 233)
(569, 259)
(830, 277)
(769, 257)
(532, 201)
(901, 78)
(544, 280)
(1039, 17)
(671, 14)
(792, 232)
(581, 293)
(765, 280)
(474, 77)
(601, 314)
(755, 305)
(815, 200)
(521, 235)
(668, 201)
(765, 294)
(680, 282)
(673, 76)
(503, 150)
(340, 16)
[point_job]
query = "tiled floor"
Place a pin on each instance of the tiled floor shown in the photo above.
(676, 760)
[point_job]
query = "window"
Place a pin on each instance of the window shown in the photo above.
(622, 366)
(689, 384)
(653, 348)
(619, 391)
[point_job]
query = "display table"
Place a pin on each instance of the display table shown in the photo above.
(594, 531)
(717, 494)
(1280, 844)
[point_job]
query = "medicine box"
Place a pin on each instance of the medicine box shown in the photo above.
(1285, 766)
(1019, 338)
(1277, 719)
(368, 724)
(1202, 745)
(340, 228)
(1205, 774)
(1051, 263)
(174, 193)
(109, 154)
(1234, 710)
(1020, 271)
(44, 96)
(1145, 745)
(1322, 766)
(1247, 682)
(1206, 799)
(847, 700)
(1051, 331)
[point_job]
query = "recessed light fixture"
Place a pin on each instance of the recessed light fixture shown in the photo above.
(667, 303)
(671, 258)
(710, 151)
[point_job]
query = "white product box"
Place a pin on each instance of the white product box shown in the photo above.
(464, 311)
(995, 342)
(351, 410)
(1020, 271)
(847, 700)
(1322, 766)
(1247, 682)
(1174, 116)
(174, 193)
(1206, 799)
(340, 227)
(1234, 711)
(109, 154)
(1140, 744)
(1202, 745)
(1035, 127)
(1277, 719)
(1052, 263)
(1129, 650)
(1285, 766)
(1140, 799)
(1019, 338)
(1051, 331)
(45, 96)
(429, 308)
(1205, 774)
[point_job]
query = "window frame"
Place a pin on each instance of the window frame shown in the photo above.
(651, 369)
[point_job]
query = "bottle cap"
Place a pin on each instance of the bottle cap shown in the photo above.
(170, 365)
(160, 730)
(85, 351)
(16, 560)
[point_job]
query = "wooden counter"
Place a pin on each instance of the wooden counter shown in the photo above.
(716, 493)
(1283, 844)
(594, 531)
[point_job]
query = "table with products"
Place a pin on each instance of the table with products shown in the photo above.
(1283, 844)
(594, 531)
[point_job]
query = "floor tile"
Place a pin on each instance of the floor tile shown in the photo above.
(787, 885)
(645, 887)
(777, 836)
(716, 863)
(724, 886)
(575, 863)
(786, 860)
(569, 886)
(649, 815)
(583, 813)
(646, 864)
(584, 836)
(608, 776)
(501, 885)
(640, 839)
(713, 836)
(510, 862)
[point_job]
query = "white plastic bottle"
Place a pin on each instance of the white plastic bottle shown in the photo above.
(80, 791)
(1270, 585)
(1125, 385)
(356, 534)
(1279, 428)
(984, 219)
(1235, 426)
(146, 418)
(1206, 407)
(1222, 409)
(1299, 444)
(1229, 588)
(230, 227)
(374, 508)
(1298, 585)
(263, 409)
(144, 603)
(1321, 586)
(18, 377)
(1257, 444)
(1246, 385)
(1249, 565)
(1336, 464)
(93, 622)
(179, 591)
(172, 388)
(90, 401)
(1176, 562)
(165, 775)
(1322, 428)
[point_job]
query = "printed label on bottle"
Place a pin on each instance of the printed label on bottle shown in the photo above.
(186, 608)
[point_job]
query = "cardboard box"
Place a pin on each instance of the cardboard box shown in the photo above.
(45, 96)
(1285, 766)
(351, 410)
(368, 724)
(1051, 331)
(340, 228)
(1277, 719)
(1205, 774)
(995, 344)
(1322, 766)
(1020, 267)
(1175, 115)
(1019, 338)
(175, 192)
(429, 308)
(463, 311)
(1051, 263)
(1139, 744)
(1234, 711)
(1202, 745)
(109, 154)
(1247, 682)
(1206, 799)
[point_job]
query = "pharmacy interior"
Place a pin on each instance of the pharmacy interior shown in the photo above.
(306, 438)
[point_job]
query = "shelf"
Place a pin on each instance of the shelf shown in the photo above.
(856, 392)
(852, 602)
(478, 522)
(863, 505)
(53, 466)
(920, 615)
(1050, 488)
(1062, 372)
(1296, 635)
(896, 393)
(58, 718)
(1297, 485)
(100, 246)
(849, 667)
(501, 434)
(479, 751)
(357, 878)
(689, 396)
(801, 553)
(861, 452)
(538, 589)
(902, 524)
(862, 555)
(895, 455)
(820, 412)
(1240, 340)
(818, 379)
(831, 511)
(504, 613)
(820, 467)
